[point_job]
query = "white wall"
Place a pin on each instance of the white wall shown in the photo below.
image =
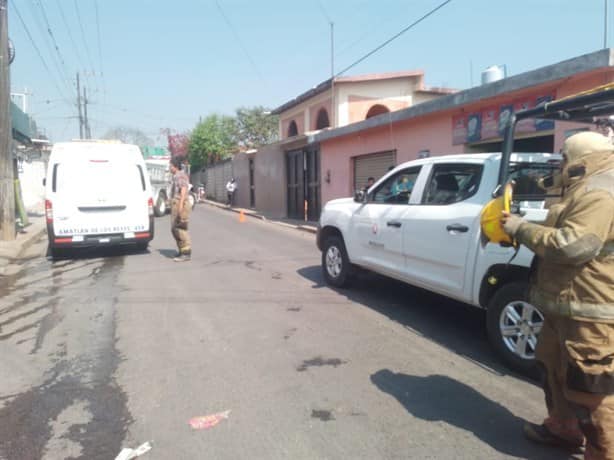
(31, 178)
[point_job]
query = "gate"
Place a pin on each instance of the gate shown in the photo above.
(303, 172)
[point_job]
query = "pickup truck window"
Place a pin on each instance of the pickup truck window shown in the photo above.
(452, 183)
(396, 189)
(526, 177)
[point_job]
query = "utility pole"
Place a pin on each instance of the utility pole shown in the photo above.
(79, 108)
(7, 185)
(86, 121)
(605, 25)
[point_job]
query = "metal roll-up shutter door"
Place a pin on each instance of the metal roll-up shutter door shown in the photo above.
(374, 165)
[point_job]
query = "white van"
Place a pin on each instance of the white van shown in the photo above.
(97, 194)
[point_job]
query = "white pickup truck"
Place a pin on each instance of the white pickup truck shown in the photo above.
(420, 224)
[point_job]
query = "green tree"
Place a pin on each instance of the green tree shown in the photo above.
(213, 139)
(256, 126)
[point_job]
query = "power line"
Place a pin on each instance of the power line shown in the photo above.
(55, 43)
(104, 86)
(87, 49)
(239, 41)
(52, 56)
(68, 29)
(394, 37)
(37, 50)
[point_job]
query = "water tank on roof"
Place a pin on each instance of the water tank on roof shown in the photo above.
(493, 73)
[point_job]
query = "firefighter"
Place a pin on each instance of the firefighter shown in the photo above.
(573, 285)
(180, 210)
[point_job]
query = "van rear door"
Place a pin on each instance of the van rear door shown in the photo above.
(99, 196)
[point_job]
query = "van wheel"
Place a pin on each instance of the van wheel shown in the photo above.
(335, 262)
(160, 207)
(514, 326)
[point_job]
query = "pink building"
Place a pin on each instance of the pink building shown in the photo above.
(466, 121)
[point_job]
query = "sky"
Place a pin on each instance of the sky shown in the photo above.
(153, 64)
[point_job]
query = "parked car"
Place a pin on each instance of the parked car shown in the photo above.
(97, 194)
(420, 224)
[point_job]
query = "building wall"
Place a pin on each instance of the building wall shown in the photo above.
(315, 108)
(31, 175)
(216, 178)
(352, 100)
(298, 116)
(270, 181)
(408, 139)
(240, 171)
(398, 90)
(359, 106)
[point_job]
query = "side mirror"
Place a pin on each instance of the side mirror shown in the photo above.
(44, 181)
(360, 196)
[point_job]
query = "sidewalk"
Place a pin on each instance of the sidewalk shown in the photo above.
(306, 226)
(12, 250)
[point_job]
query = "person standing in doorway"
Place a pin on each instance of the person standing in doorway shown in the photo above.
(180, 210)
(573, 285)
(369, 184)
(231, 188)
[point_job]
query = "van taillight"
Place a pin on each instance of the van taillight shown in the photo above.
(150, 206)
(49, 211)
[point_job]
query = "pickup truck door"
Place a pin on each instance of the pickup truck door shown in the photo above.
(439, 232)
(378, 224)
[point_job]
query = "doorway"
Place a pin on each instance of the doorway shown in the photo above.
(303, 172)
(252, 186)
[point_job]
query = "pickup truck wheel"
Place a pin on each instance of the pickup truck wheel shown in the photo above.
(335, 262)
(160, 207)
(514, 326)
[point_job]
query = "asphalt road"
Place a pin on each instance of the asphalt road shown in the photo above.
(109, 350)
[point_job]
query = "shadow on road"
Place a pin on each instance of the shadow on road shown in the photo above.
(168, 253)
(456, 326)
(440, 398)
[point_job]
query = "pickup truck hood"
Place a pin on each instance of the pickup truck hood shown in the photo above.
(342, 202)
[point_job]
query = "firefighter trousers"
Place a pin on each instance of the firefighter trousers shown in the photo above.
(179, 226)
(578, 364)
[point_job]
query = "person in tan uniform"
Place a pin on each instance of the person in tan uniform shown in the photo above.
(573, 285)
(180, 210)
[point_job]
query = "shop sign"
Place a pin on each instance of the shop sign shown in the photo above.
(490, 117)
(528, 124)
(474, 127)
(490, 122)
(459, 129)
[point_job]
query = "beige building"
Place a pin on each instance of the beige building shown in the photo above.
(344, 100)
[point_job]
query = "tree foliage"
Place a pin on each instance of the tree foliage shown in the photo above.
(213, 139)
(128, 135)
(256, 126)
(178, 144)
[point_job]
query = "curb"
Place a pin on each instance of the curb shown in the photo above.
(304, 228)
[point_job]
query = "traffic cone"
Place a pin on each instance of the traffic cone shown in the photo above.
(241, 216)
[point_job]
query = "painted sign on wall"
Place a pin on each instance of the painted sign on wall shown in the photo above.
(490, 122)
